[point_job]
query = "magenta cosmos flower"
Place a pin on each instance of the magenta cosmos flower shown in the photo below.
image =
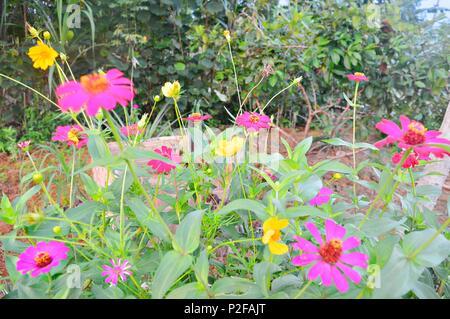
(163, 167)
(72, 134)
(331, 259)
(117, 269)
(322, 197)
(197, 117)
(41, 258)
(412, 135)
(253, 121)
(131, 130)
(357, 77)
(95, 91)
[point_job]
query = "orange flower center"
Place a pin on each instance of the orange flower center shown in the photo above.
(415, 134)
(73, 136)
(253, 118)
(196, 115)
(359, 74)
(94, 83)
(42, 259)
(331, 251)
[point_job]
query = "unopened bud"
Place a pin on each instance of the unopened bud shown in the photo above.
(47, 35)
(157, 98)
(38, 178)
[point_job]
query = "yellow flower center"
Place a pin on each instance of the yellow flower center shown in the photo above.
(253, 118)
(359, 74)
(196, 115)
(72, 135)
(42, 259)
(94, 83)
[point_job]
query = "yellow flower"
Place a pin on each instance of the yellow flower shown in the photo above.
(47, 35)
(171, 89)
(272, 235)
(229, 148)
(42, 55)
(227, 36)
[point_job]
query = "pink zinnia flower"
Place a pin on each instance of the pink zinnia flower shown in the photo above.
(357, 77)
(322, 197)
(163, 167)
(118, 268)
(253, 121)
(331, 256)
(72, 134)
(132, 130)
(24, 145)
(411, 161)
(40, 259)
(95, 91)
(412, 135)
(197, 117)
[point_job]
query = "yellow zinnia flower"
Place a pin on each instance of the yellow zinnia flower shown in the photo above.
(229, 148)
(272, 235)
(227, 36)
(171, 89)
(42, 55)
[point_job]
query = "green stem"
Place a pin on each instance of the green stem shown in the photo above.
(273, 97)
(72, 177)
(384, 186)
(355, 96)
(302, 291)
(429, 241)
(235, 74)
(122, 213)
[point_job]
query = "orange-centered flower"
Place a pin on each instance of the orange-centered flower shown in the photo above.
(72, 135)
(272, 235)
(94, 83)
(43, 259)
(331, 251)
(415, 134)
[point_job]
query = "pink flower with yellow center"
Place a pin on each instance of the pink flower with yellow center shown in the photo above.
(72, 134)
(131, 130)
(95, 91)
(412, 135)
(322, 197)
(357, 77)
(331, 259)
(119, 269)
(40, 259)
(253, 121)
(24, 146)
(163, 167)
(197, 117)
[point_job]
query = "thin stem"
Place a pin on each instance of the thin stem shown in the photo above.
(302, 291)
(248, 94)
(273, 97)
(235, 75)
(354, 137)
(384, 186)
(72, 177)
(122, 212)
(429, 241)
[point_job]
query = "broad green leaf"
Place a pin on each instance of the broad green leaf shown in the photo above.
(191, 290)
(262, 272)
(436, 252)
(341, 142)
(375, 227)
(245, 204)
(201, 267)
(172, 266)
(7, 213)
(232, 287)
(187, 237)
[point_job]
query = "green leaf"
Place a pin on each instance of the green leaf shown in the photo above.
(262, 273)
(436, 252)
(179, 66)
(201, 267)
(189, 291)
(245, 204)
(379, 226)
(340, 142)
(7, 213)
(187, 237)
(302, 148)
(172, 266)
(112, 292)
(232, 287)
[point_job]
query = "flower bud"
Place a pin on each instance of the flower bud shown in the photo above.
(142, 121)
(227, 36)
(33, 32)
(57, 230)
(63, 57)
(99, 115)
(34, 218)
(157, 98)
(47, 35)
(38, 178)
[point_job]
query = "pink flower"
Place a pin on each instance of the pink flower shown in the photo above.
(357, 77)
(411, 161)
(331, 257)
(322, 197)
(253, 121)
(40, 259)
(197, 117)
(135, 106)
(118, 268)
(95, 91)
(132, 130)
(412, 135)
(72, 134)
(24, 145)
(272, 176)
(163, 167)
